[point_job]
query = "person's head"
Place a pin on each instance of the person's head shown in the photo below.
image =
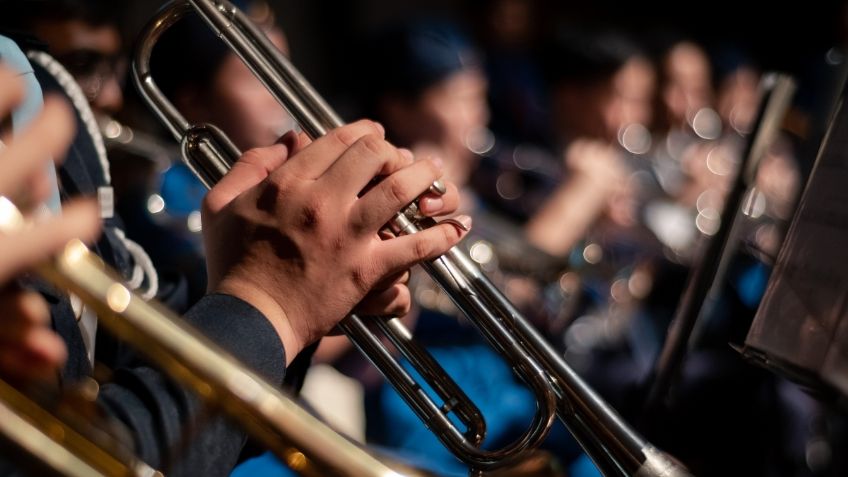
(425, 84)
(634, 88)
(82, 35)
(738, 97)
(209, 84)
(599, 83)
(687, 84)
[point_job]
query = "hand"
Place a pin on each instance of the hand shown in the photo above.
(597, 162)
(295, 236)
(29, 349)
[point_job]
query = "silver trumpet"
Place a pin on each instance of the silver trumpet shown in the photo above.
(614, 447)
(299, 439)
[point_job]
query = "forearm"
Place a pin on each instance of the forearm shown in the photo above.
(566, 217)
(158, 413)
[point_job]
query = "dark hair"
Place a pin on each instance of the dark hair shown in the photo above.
(22, 14)
(405, 59)
(189, 54)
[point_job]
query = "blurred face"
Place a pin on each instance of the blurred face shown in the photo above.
(241, 106)
(634, 86)
(739, 97)
(689, 86)
(92, 55)
(446, 117)
(456, 108)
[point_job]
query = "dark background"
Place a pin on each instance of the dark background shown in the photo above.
(792, 37)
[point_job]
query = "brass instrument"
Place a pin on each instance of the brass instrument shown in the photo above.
(61, 447)
(300, 440)
(614, 446)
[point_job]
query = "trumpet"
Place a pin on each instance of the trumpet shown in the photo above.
(72, 448)
(299, 439)
(615, 447)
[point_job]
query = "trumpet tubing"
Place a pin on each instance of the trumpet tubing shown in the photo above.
(299, 439)
(57, 447)
(615, 447)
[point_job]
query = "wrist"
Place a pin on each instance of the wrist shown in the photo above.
(270, 308)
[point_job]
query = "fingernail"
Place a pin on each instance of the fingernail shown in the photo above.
(438, 161)
(431, 205)
(406, 153)
(380, 128)
(465, 220)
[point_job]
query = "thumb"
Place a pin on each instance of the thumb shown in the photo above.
(33, 245)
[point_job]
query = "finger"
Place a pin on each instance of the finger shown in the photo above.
(252, 168)
(395, 301)
(33, 191)
(44, 345)
(403, 252)
(393, 193)
(295, 141)
(18, 363)
(369, 157)
(392, 280)
(316, 157)
(31, 307)
(23, 312)
(47, 136)
(33, 245)
(11, 92)
(432, 205)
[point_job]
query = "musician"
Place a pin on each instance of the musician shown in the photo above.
(427, 86)
(271, 263)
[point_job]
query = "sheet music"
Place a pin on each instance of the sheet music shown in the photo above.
(802, 320)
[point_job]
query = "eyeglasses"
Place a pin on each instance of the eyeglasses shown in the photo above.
(93, 69)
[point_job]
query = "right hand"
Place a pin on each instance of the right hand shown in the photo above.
(596, 161)
(290, 233)
(29, 349)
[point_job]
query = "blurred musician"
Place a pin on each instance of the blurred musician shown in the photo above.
(431, 94)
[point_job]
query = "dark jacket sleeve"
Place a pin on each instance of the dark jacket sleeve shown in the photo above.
(163, 417)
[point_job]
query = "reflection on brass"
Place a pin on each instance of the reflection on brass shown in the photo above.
(611, 443)
(118, 298)
(187, 357)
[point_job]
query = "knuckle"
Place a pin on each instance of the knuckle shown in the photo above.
(209, 204)
(361, 279)
(346, 135)
(431, 169)
(311, 213)
(395, 190)
(421, 249)
(252, 156)
(370, 126)
(374, 145)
